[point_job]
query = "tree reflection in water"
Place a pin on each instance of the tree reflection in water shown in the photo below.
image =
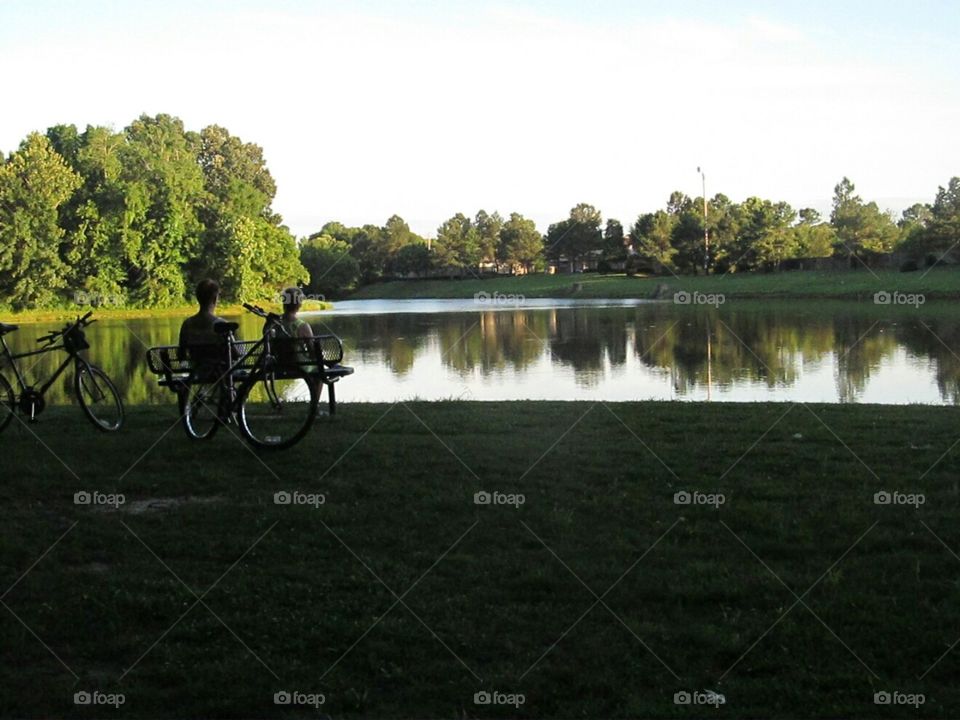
(739, 351)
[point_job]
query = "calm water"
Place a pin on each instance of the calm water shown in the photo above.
(612, 350)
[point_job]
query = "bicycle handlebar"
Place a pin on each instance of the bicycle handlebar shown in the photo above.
(52, 336)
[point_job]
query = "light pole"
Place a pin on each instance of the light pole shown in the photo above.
(706, 231)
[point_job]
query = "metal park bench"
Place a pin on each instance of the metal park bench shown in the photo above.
(319, 356)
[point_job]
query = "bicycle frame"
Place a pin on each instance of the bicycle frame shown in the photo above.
(227, 379)
(11, 358)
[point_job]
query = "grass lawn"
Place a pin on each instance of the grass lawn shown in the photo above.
(400, 597)
(854, 284)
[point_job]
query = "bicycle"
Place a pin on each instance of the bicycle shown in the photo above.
(262, 386)
(97, 395)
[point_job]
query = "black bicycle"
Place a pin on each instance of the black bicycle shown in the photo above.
(264, 386)
(95, 392)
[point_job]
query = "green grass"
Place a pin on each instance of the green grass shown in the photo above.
(855, 284)
(297, 591)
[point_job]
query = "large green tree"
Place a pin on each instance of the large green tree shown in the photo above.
(34, 182)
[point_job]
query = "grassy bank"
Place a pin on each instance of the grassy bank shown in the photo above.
(940, 283)
(67, 314)
(491, 597)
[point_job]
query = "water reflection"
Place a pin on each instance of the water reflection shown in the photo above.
(809, 351)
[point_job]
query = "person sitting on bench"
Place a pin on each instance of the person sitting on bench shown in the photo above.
(199, 340)
(293, 299)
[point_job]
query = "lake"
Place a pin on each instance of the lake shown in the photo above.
(803, 350)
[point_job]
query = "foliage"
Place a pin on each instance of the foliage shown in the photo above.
(139, 216)
(332, 269)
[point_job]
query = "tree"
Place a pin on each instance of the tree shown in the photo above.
(521, 244)
(165, 187)
(765, 238)
(614, 243)
(652, 238)
(943, 226)
(369, 247)
(813, 237)
(264, 260)
(458, 244)
(396, 234)
(572, 239)
(414, 258)
(34, 182)
(332, 269)
(862, 229)
(489, 228)
(95, 245)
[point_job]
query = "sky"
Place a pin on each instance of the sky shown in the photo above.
(424, 109)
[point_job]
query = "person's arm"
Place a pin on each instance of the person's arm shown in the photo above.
(305, 331)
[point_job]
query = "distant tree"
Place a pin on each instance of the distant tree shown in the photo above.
(576, 236)
(765, 238)
(521, 244)
(614, 242)
(724, 225)
(458, 244)
(396, 234)
(489, 228)
(332, 270)
(862, 229)
(34, 182)
(652, 239)
(369, 247)
(943, 226)
(414, 258)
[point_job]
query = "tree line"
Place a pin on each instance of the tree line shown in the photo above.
(137, 217)
(755, 235)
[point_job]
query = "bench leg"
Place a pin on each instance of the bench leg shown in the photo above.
(332, 399)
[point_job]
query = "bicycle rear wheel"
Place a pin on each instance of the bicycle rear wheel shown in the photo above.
(7, 403)
(201, 411)
(277, 410)
(98, 397)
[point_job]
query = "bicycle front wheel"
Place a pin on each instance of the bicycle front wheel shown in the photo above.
(7, 403)
(277, 410)
(98, 397)
(201, 411)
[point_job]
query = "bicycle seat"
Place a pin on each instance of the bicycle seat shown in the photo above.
(225, 328)
(4, 328)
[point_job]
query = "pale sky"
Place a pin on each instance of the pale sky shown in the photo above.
(368, 108)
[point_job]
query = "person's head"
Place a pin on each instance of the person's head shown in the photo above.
(292, 300)
(208, 292)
